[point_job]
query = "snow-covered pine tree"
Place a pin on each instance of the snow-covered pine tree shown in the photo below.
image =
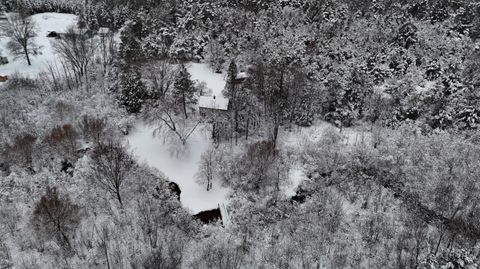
(130, 49)
(133, 92)
(215, 55)
(230, 83)
(184, 90)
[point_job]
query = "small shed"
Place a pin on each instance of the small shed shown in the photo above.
(3, 60)
(103, 31)
(241, 77)
(212, 104)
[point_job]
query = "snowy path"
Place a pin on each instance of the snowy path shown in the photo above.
(45, 22)
(155, 153)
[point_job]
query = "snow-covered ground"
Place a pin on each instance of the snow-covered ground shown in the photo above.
(295, 140)
(202, 73)
(45, 22)
(181, 170)
(151, 150)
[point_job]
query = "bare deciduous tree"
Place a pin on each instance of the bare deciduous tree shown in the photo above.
(93, 127)
(161, 76)
(108, 50)
(56, 215)
(163, 114)
(22, 149)
(63, 139)
(219, 252)
(206, 168)
(78, 50)
(104, 236)
(21, 32)
(169, 253)
(111, 165)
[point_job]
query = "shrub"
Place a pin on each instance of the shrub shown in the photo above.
(93, 127)
(56, 216)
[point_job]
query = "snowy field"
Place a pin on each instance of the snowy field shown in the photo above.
(154, 152)
(45, 22)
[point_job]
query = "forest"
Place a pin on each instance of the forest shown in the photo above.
(235, 134)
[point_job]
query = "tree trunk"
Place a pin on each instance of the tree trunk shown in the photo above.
(236, 125)
(247, 129)
(209, 182)
(275, 135)
(438, 244)
(213, 132)
(184, 105)
(86, 78)
(417, 254)
(119, 198)
(65, 238)
(27, 56)
(105, 249)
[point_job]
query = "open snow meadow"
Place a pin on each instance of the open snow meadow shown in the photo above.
(254, 134)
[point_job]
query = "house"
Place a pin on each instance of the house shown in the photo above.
(240, 78)
(215, 110)
(3, 78)
(103, 31)
(3, 60)
(72, 31)
(52, 34)
(209, 105)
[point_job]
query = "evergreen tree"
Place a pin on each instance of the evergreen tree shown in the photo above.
(231, 75)
(133, 92)
(184, 90)
(230, 91)
(130, 49)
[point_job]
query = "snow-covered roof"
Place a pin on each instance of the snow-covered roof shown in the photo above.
(103, 30)
(242, 75)
(213, 102)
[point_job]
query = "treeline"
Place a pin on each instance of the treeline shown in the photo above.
(381, 61)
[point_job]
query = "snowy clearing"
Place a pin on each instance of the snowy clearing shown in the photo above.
(151, 150)
(45, 22)
(182, 170)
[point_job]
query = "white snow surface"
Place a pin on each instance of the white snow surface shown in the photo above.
(182, 170)
(213, 102)
(296, 176)
(151, 150)
(203, 73)
(45, 22)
